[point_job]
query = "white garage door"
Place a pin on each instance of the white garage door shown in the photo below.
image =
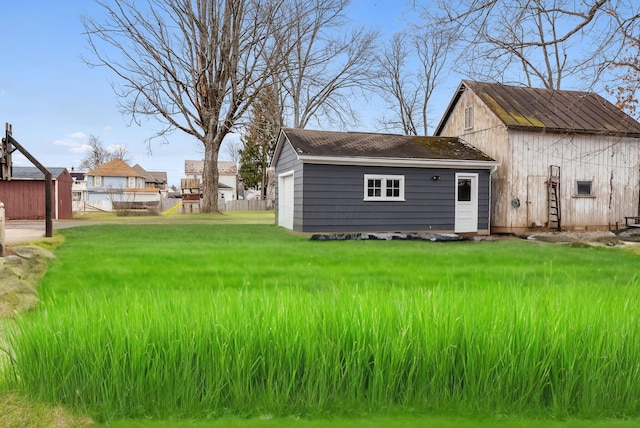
(285, 200)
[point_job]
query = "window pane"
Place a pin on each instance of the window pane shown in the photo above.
(464, 189)
(374, 187)
(393, 188)
(584, 187)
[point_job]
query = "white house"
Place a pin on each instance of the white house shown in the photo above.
(227, 177)
(116, 182)
(78, 190)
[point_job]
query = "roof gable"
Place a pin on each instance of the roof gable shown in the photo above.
(549, 110)
(159, 176)
(115, 168)
(330, 144)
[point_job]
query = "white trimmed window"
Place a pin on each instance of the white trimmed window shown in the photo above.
(468, 117)
(132, 182)
(97, 180)
(383, 187)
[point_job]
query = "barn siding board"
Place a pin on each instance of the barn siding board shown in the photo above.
(610, 162)
(337, 205)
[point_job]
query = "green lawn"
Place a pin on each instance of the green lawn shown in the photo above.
(232, 320)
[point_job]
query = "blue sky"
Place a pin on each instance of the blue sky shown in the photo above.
(55, 101)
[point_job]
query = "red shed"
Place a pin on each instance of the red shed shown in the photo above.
(23, 195)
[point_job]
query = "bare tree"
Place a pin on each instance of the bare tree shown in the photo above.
(626, 68)
(97, 154)
(397, 86)
(537, 41)
(196, 65)
(119, 151)
(232, 149)
(324, 65)
(409, 68)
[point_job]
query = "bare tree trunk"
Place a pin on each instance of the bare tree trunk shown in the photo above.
(210, 178)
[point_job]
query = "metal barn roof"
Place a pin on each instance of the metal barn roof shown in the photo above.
(550, 110)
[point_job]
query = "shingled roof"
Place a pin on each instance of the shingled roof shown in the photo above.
(33, 173)
(550, 110)
(115, 168)
(333, 144)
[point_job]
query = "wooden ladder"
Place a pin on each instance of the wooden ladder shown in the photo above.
(553, 198)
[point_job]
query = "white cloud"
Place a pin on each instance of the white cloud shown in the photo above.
(108, 128)
(78, 135)
(83, 148)
(72, 146)
(65, 143)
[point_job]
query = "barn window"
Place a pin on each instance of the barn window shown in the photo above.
(468, 117)
(584, 187)
(383, 187)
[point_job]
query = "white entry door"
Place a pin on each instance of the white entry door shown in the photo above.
(285, 200)
(466, 203)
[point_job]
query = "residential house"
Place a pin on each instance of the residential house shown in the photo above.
(24, 195)
(153, 179)
(363, 182)
(227, 177)
(78, 189)
(116, 183)
(568, 159)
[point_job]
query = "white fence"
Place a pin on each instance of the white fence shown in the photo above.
(92, 206)
(223, 205)
(245, 205)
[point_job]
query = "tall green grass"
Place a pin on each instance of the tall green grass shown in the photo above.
(347, 328)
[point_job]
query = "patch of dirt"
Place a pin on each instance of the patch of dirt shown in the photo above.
(604, 237)
(627, 237)
(18, 412)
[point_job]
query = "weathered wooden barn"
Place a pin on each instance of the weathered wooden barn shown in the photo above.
(24, 194)
(568, 160)
(363, 182)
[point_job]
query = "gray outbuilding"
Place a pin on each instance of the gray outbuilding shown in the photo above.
(330, 181)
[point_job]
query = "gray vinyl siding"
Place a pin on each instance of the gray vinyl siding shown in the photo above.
(333, 200)
(287, 161)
